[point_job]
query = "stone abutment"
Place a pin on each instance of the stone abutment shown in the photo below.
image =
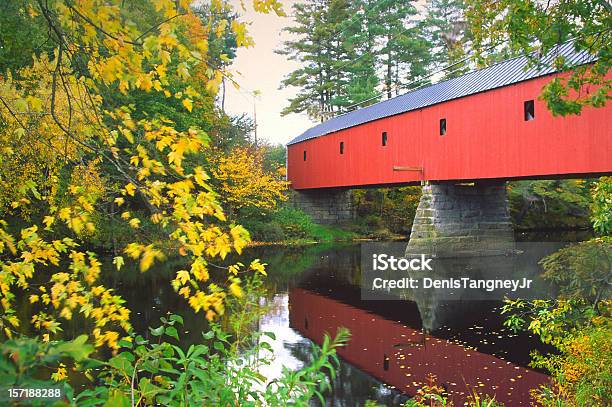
(326, 206)
(462, 219)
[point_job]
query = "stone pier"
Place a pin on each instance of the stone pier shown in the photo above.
(325, 206)
(454, 220)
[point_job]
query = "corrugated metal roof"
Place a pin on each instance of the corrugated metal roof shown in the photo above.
(498, 75)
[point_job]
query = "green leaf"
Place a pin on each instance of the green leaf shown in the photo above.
(271, 335)
(148, 389)
(157, 331)
(76, 349)
(117, 399)
(125, 344)
(199, 350)
(171, 331)
(122, 364)
(176, 318)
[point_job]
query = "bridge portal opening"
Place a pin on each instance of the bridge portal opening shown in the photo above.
(529, 110)
(442, 127)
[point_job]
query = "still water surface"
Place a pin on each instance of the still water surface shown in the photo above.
(396, 346)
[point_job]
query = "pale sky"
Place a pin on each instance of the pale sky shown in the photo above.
(261, 69)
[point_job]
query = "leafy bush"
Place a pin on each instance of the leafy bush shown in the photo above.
(579, 322)
(290, 224)
(582, 368)
(160, 372)
(25, 362)
(262, 229)
(550, 203)
(581, 270)
(602, 206)
(390, 209)
(295, 223)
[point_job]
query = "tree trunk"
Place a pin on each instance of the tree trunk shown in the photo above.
(389, 76)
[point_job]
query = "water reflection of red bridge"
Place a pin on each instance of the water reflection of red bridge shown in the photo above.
(404, 357)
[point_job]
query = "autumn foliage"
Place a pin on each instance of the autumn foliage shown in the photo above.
(243, 182)
(76, 154)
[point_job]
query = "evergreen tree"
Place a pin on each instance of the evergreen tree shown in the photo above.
(221, 44)
(361, 37)
(320, 47)
(404, 53)
(341, 25)
(349, 49)
(446, 29)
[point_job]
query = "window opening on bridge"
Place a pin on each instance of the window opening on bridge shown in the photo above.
(304, 155)
(384, 138)
(386, 362)
(305, 323)
(342, 147)
(442, 127)
(529, 110)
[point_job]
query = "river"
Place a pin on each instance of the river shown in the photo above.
(396, 346)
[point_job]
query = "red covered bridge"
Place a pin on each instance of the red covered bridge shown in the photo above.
(487, 124)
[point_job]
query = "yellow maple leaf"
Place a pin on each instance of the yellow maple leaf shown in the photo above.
(188, 104)
(235, 289)
(185, 292)
(129, 189)
(183, 276)
(48, 221)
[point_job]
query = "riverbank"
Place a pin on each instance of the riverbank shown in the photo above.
(338, 234)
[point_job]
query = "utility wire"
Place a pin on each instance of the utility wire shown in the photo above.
(434, 73)
(417, 81)
(337, 33)
(352, 20)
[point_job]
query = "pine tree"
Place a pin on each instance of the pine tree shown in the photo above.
(360, 42)
(446, 29)
(349, 50)
(405, 52)
(321, 48)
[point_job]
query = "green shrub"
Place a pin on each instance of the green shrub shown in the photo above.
(550, 203)
(264, 230)
(295, 223)
(160, 372)
(384, 212)
(601, 206)
(290, 224)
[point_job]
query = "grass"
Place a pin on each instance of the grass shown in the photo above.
(293, 226)
(328, 233)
